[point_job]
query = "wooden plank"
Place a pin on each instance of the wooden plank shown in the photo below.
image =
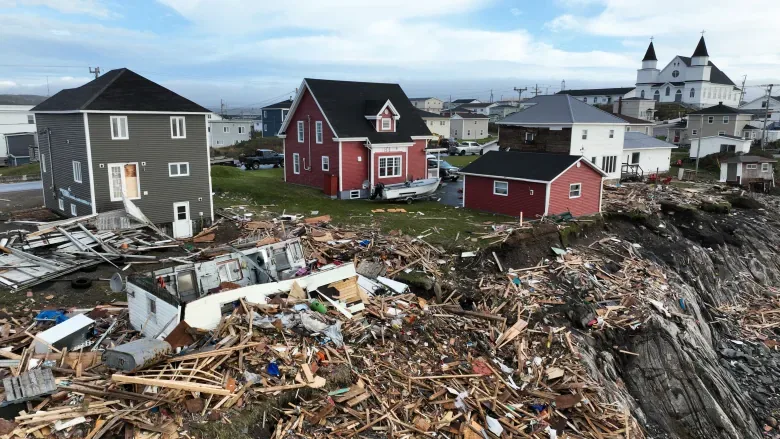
(170, 384)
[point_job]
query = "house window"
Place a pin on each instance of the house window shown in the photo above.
(390, 166)
(61, 204)
(693, 92)
(77, 171)
(123, 179)
(119, 128)
(668, 90)
(43, 162)
(575, 190)
(710, 119)
(628, 129)
(481, 133)
(634, 158)
(725, 119)
(284, 114)
(765, 167)
(152, 308)
(721, 133)
(746, 134)
(178, 128)
(386, 125)
(763, 104)
(219, 142)
(296, 163)
(642, 94)
(529, 137)
(694, 132)
(225, 130)
(325, 163)
(501, 188)
(181, 169)
(300, 131)
(593, 160)
(30, 118)
(354, 194)
(728, 148)
(675, 73)
(468, 133)
(73, 210)
(318, 131)
(265, 114)
(208, 129)
(608, 163)
(241, 130)
(657, 96)
(229, 271)
(456, 133)
(611, 134)
(584, 134)
(265, 127)
(751, 166)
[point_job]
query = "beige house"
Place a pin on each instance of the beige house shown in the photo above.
(432, 105)
(438, 124)
(468, 126)
(635, 107)
(636, 125)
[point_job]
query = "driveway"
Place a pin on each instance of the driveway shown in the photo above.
(448, 193)
(22, 186)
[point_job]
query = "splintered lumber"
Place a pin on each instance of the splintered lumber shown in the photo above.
(171, 384)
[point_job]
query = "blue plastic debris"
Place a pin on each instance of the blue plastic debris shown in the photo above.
(516, 281)
(364, 243)
(682, 304)
(57, 315)
(273, 369)
(538, 407)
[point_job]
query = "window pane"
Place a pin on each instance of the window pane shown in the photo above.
(115, 127)
(131, 181)
(123, 127)
(116, 182)
(181, 127)
(172, 169)
(184, 168)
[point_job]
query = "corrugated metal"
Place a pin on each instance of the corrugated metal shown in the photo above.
(150, 142)
(68, 143)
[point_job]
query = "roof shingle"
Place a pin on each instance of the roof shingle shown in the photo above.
(523, 165)
(559, 109)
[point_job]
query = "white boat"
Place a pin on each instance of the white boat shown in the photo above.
(406, 191)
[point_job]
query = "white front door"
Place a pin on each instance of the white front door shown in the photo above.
(182, 226)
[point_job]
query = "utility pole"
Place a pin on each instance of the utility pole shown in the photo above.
(491, 95)
(222, 108)
(536, 90)
(766, 115)
(96, 71)
(520, 93)
(742, 92)
(698, 148)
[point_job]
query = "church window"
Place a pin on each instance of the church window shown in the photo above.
(657, 96)
(693, 92)
(668, 90)
(678, 96)
(642, 94)
(675, 73)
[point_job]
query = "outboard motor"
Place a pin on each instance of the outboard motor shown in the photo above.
(377, 191)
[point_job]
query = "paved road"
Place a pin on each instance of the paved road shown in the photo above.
(448, 193)
(23, 186)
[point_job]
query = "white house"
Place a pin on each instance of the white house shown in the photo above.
(429, 104)
(437, 123)
(719, 143)
(651, 154)
(17, 126)
(692, 80)
(599, 96)
(561, 123)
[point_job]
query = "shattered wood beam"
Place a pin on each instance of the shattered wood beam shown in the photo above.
(457, 310)
(170, 384)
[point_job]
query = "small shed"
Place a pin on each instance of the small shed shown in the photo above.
(532, 184)
(747, 170)
(644, 155)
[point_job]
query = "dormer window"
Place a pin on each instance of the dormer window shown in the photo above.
(383, 115)
(386, 124)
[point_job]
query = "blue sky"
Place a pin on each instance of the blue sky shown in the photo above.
(253, 52)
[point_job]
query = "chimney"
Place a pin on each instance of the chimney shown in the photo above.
(620, 105)
(720, 103)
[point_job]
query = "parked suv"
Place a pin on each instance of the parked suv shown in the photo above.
(263, 157)
(446, 170)
(465, 148)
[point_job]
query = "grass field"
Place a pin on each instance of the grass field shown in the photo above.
(460, 160)
(28, 169)
(267, 188)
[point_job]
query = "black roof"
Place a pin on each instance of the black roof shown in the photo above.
(718, 109)
(701, 48)
(464, 101)
(650, 54)
(119, 90)
(750, 127)
(468, 115)
(345, 103)
(424, 113)
(524, 165)
(283, 105)
(632, 120)
(597, 91)
(716, 75)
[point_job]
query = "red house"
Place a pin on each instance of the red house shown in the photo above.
(536, 184)
(345, 137)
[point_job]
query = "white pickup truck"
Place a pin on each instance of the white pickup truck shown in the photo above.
(464, 148)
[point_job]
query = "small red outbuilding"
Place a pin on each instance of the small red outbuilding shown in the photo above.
(536, 184)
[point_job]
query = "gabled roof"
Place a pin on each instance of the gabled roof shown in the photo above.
(634, 140)
(470, 115)
(701, 48)
(464, 101)
(716, 75)
(345, 103)
(119, 90)
(750, 127)
(727, 136)
(748, 159)
(477, 105)
(650, 54)
(428, 115)
(559, 109)
(597, 91)
(532, 166)
(633, 120)
(719, 109)
(283, 105)
(422, 99)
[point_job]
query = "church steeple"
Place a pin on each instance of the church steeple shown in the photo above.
(650, 54)
(701, 48)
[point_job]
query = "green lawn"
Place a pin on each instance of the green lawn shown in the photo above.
(28, 169)
(460, 160)
(267, 188)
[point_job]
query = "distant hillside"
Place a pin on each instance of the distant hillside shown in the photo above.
(21, 99)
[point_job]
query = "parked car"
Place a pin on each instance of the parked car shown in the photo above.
(263, 157)
(465, 148)
(446, 170)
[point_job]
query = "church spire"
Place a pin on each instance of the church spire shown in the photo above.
(650, 54)
(701, 48)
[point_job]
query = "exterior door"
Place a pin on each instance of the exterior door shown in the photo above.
(731, 172)
(182, 225)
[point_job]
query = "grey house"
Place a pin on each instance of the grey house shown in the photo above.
(123, 135)
(227, 132)
(273, 116)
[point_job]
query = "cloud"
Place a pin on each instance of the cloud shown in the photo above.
(78, 7)
(516, 12)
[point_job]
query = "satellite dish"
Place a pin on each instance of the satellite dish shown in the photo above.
(116, 283)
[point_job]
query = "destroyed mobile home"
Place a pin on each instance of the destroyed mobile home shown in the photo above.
(354, 333)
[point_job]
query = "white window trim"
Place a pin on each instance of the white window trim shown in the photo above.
(127, 128)
(579, 190)
(241, 129)
(584, 134)
(389, 124)
(694, 132)
(177, 169)
(765, 167)
(325, 163)
(225, 130)
(387, 157)
(611, 134)
(495, 182)
(354, 194)
(43, 163)
(183, 134)
(122, 180)
(296, 163)
(721, 133)
(77, 171)
(710, 120)
(751, 166)
(73, 210)
(318, 134)
(725, 119)
(301, 134)
(61, 204)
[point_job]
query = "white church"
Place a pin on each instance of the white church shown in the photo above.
(692, 80)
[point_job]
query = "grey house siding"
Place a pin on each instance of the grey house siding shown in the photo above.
(68, 143)
(150, 142)
(231, 138)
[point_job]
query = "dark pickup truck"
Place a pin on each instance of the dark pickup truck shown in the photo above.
(263, 157)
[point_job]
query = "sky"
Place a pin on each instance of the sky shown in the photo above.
(250, 53)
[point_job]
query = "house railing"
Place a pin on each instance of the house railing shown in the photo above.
(629, 171)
